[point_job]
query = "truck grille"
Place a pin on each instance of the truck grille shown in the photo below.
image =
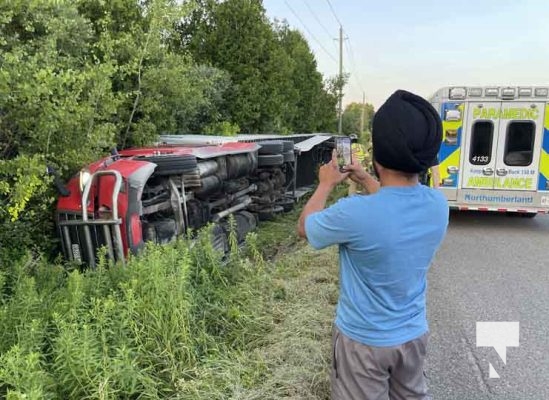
(73, 237)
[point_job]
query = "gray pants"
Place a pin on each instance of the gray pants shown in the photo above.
(378, 373)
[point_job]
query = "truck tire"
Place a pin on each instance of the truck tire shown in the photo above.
(244, 225)
(289, 156)
(219, 239)
(271, 147)
(252, 220)
(160, 232)
(270, 160)
(268, 214)
(286, 204)
(170, 164)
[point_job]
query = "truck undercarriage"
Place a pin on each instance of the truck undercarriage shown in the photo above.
(157, 194)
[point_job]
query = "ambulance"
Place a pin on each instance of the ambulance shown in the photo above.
(494, 154)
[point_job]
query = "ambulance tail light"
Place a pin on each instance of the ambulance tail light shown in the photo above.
(525, 92)
(541, 92)
(452, 115)
(491, 92)
(452, 171)
(508, 93)
(457, 93)
(450, 136)
(474, 92)
(447, 182)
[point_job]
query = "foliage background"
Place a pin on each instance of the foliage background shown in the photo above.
(79, 77)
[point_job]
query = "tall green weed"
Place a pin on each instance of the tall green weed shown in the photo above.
(151, 329)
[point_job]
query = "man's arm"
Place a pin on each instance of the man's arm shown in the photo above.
(369, 183)
(329, 176)
(363, 178)
(317, 202)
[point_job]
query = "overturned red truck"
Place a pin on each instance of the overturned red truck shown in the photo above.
(182, 184)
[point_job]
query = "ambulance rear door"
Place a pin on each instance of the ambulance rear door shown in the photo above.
(479, 159)
(519, 146)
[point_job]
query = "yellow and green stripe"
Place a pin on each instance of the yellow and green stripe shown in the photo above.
(544, 156)
(450, 153)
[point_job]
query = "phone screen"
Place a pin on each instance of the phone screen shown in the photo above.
(343, 150)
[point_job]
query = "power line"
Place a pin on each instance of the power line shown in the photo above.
(334, 13)
(352, 59)
(318, 20)
(349, 51)
(310, 33)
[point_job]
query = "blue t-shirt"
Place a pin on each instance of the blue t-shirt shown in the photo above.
(387, 241)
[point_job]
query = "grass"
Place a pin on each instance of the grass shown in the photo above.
(301, 303)
(296, 351)
(176, 323)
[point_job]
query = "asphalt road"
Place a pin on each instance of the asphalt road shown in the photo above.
(491, 267)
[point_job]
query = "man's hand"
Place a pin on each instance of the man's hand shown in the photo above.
(360, 176)
(329, 174)
(356, 171)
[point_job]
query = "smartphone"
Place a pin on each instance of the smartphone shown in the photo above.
(343, 151)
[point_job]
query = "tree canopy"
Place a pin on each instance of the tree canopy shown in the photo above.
(352, 116)
(276, 86)
(79, 77)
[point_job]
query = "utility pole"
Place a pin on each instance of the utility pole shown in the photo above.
(340, 126)
(362, 115)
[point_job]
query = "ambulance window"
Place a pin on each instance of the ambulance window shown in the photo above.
(519, 144)
(481, 143)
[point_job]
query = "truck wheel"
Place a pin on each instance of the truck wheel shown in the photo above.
(268, 214)
(161, 232)
(271, 147)
(286, 204)
(219, 239)
(269, 160)
(244, 225)
(252, 220)
(289, 156)
(173, 164)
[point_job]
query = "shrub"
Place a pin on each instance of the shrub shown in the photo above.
(146, 330)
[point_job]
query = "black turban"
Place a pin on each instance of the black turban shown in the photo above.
(406, 133)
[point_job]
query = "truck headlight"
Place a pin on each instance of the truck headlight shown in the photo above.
(84, 178)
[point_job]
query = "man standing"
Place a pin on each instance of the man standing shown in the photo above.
(386, 243)
(358, 154)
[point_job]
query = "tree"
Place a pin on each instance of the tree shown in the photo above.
(312, 107)
(351, 119)
(162, 89)
(79, 78)
(236, 36)
(276, 86)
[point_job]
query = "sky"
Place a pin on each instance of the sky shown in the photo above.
(423, 45)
